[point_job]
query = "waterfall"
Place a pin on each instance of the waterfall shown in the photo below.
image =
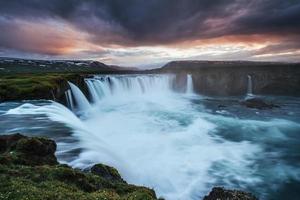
(125, 86)
(69, 99)
(189, 84)
(249, 86)
(93, 91)
(80, 100)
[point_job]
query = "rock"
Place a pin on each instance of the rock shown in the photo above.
(29, 170)
(9, 141)
(258, 104)
(221, 106)
(107, 172)
(229, 78)
(19, 149)
(219, 193)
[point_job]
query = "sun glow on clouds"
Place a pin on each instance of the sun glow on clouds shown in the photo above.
(60, 40)
(207, 50)
(49, 37)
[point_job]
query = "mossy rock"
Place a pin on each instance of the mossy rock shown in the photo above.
(106, 172)
(29, 170)
(18, 149)
(219, 193)
(62, 182)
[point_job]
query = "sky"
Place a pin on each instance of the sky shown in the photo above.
(145, 33)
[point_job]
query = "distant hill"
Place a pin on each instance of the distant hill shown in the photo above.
(15, 65)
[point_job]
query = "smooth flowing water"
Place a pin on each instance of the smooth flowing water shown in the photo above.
(178, 144)
(189, 84)
(249, 87)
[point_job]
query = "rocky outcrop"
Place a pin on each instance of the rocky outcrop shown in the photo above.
(18, 149)
(29, 170)
(219, 193)
(107, 172)
(231, 78)
(258, 103)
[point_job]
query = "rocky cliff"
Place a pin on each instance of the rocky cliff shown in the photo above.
(231, 78)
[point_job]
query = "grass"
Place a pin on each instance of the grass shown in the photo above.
(62, 182)
(32, 86)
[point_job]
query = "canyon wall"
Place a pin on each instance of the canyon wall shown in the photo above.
(220, 78)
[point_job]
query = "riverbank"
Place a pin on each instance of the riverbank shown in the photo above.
(51, 86)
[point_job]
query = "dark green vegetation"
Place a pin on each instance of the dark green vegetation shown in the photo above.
(35, 86)
(29, 170)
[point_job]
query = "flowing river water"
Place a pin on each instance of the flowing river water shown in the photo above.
(179, 144)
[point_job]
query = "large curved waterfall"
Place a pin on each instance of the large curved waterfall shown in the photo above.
(124, 85)
(180, 145)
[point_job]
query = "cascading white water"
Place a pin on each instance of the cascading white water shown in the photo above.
(249, 86)
(130, 85)
(189, 84)
(69, 99)
(81, 101)
(93, 91)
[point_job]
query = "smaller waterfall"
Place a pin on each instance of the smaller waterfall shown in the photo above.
(69, 99)
(189, 84)
(249, 87)
(80, 100)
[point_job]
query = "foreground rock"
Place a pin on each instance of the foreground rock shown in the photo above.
(29, 170)
(258, 104)
(107, 172)
(18, 149)
(219, 193)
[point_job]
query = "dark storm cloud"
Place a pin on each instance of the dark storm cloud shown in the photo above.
(270, 16)
(150, 22)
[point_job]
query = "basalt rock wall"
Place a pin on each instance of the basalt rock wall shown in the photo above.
(231, 78)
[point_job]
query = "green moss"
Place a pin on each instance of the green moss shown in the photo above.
(62, 182)
(31, 86)
(29, 151)
(107, 172)
(29, 170)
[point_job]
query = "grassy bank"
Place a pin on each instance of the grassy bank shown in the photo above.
(34, 86)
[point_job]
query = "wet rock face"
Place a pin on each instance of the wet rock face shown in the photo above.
(19, 149)
(219, 193)
(230, 78)
(107, 172)
(258, 104)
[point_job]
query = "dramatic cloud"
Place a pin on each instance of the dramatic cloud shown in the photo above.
(101, 29)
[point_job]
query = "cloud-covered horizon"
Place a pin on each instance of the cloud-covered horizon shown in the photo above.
(135, 32)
